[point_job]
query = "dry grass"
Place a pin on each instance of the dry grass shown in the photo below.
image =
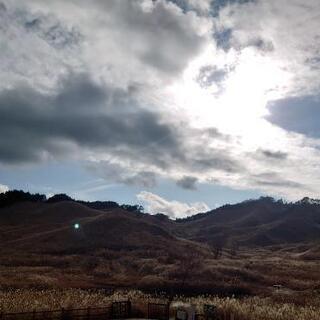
(253, 308)
(250, 272)
(43, 282)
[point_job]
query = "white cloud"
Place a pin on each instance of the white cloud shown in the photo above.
(3, 188)
(174, 209)
(121, 42)
(288, 32)
(202, 5)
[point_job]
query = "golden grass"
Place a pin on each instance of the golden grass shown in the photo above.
(253, 308)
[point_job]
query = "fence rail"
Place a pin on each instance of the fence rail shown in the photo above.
(116, 310)
(159, 311)
(61, 314)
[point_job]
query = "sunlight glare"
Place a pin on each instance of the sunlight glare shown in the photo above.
(254, 81)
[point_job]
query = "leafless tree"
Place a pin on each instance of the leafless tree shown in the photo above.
(189, 264)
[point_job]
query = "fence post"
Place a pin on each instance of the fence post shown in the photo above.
(33, 314)
(88, 313)
(232, 316)
(129, 308)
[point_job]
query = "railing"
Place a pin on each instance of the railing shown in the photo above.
(117, 310)
(159, 311)
(62, 314)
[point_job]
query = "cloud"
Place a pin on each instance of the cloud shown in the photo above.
(187, 182)
(278, 155)
(273, 179)
(32, 43)
(33, 124)
(144, 38)
(109, 128)
(122, 174)
(212, 76)
(218, 5)
(3, 188)
(174, 209)
(277, 29)
(200, 6)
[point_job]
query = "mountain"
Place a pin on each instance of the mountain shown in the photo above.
(261, 222)
(49, 225)
(67, 227)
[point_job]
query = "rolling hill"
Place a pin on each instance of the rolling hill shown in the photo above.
(254, 223)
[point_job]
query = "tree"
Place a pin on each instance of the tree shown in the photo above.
(14, 196)
(59, 198)
(189, 264)
(132, 208)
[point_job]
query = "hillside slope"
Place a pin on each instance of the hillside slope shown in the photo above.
(50, 227)
(255, 223)
(261, 222)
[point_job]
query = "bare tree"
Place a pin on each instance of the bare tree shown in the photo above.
(189, 264)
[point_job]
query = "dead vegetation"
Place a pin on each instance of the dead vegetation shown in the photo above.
(250, 272)
(248, 308)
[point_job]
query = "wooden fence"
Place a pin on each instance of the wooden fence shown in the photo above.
(117, 310)
(159, 311)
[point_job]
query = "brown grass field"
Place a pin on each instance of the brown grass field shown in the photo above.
(247, 308)
(243, 283)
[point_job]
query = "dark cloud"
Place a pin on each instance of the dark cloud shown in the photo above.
(226, 39)
(53, 31)
(272, 179)
(34, 123)
(210, 75)
(84, 117)
(298, 114)
(145, 179)
(219, 160)
(261, 44)
(313, 62)
(188, 182)
(278, 155)
(115, 172)
(162, 37)
(213, 133)
(3, 8)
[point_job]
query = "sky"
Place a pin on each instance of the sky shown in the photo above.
(178, 105)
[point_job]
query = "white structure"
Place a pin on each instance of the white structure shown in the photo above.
(184, 311)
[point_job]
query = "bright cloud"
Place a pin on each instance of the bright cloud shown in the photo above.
(3, 188)
(174, 209)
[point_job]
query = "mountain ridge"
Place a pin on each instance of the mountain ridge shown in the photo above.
(253, 223)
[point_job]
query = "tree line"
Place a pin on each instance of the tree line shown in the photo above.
(12, 197)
